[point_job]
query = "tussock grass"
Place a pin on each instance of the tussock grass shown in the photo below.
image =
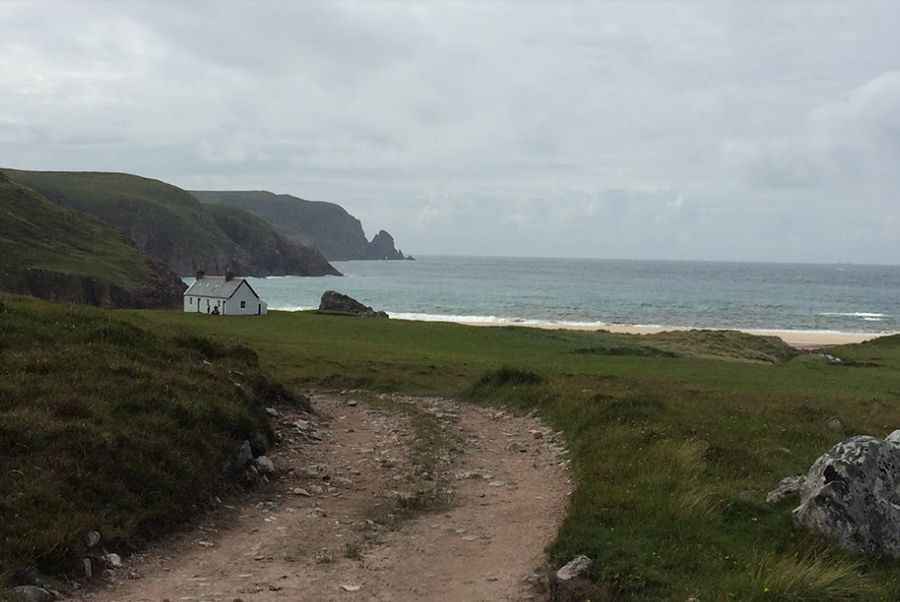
(106, 425)
(509, 377)
(810, 578)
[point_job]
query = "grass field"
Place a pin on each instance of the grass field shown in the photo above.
(675, 438)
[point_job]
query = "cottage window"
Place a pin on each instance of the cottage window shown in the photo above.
(191, 300)
(243, 305)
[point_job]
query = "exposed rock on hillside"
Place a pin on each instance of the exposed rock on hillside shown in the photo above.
(850, 495)
(162, 289)
(335, 302)
(326, 226)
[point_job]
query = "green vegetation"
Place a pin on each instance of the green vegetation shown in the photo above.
(35, 233)
(171, 226)
(106, 425)
(672, 456)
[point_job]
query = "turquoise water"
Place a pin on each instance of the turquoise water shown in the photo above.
(846, 298)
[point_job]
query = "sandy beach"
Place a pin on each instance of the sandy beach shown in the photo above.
(802, 339)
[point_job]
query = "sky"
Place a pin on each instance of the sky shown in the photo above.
(749, 131)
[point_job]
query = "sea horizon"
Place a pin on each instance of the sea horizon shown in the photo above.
(593, 294)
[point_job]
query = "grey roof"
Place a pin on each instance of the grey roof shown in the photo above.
(216, 287)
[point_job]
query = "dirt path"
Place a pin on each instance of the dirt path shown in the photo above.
(403, 499)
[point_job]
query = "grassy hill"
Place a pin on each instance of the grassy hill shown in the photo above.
(105, 425)
(326, 226)
(674, 438)
(49, 251)
(170, 225)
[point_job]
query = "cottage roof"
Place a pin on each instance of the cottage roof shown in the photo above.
(217, 287)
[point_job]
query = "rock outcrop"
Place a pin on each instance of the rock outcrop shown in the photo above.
(850, 495)
(382, 247)
(325, 226)
(338, 303)
(163, 289)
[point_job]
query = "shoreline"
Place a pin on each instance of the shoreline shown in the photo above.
(801, 339)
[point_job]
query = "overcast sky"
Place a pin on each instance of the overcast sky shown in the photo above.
(638, 129)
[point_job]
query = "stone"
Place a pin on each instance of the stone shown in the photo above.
(571, 583)
(243, 456)
(259, 443)
(851, 496)
(335, 302)
(273, 412)
(112, 561)
(352, 403)
(351, 588)
(92, 538)
(87, 567)
(301, 491)
(787, 487)
(834, 424)
(29, 593)
(265, 465)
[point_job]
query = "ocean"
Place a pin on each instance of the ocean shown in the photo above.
(594, 292)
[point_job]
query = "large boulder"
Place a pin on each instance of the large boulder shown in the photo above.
(851, 495)
(335, 302)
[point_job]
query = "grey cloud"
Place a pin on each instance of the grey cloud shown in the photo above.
(641, 129)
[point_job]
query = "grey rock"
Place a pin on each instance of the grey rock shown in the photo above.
(851, 496)
(787, 487)
(92, 538)
(834, 424)
(335, 302)
(112, 561)
(259, 443)
(342, 482)
(571, 583)
(273, 412)
(243, 456)
(30, 593)
(265, 465)
(87, 567)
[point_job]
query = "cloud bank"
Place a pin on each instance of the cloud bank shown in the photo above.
(688, 130)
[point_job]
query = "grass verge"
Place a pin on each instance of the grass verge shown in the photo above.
(108, 426)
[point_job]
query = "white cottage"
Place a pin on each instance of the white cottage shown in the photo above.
(223, 295)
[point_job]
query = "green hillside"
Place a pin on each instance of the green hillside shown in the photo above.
(50, 251)
(326, 226)
(170, 225)
(108, 426)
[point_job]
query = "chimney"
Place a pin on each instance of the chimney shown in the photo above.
(200, 274)
(229, 275)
